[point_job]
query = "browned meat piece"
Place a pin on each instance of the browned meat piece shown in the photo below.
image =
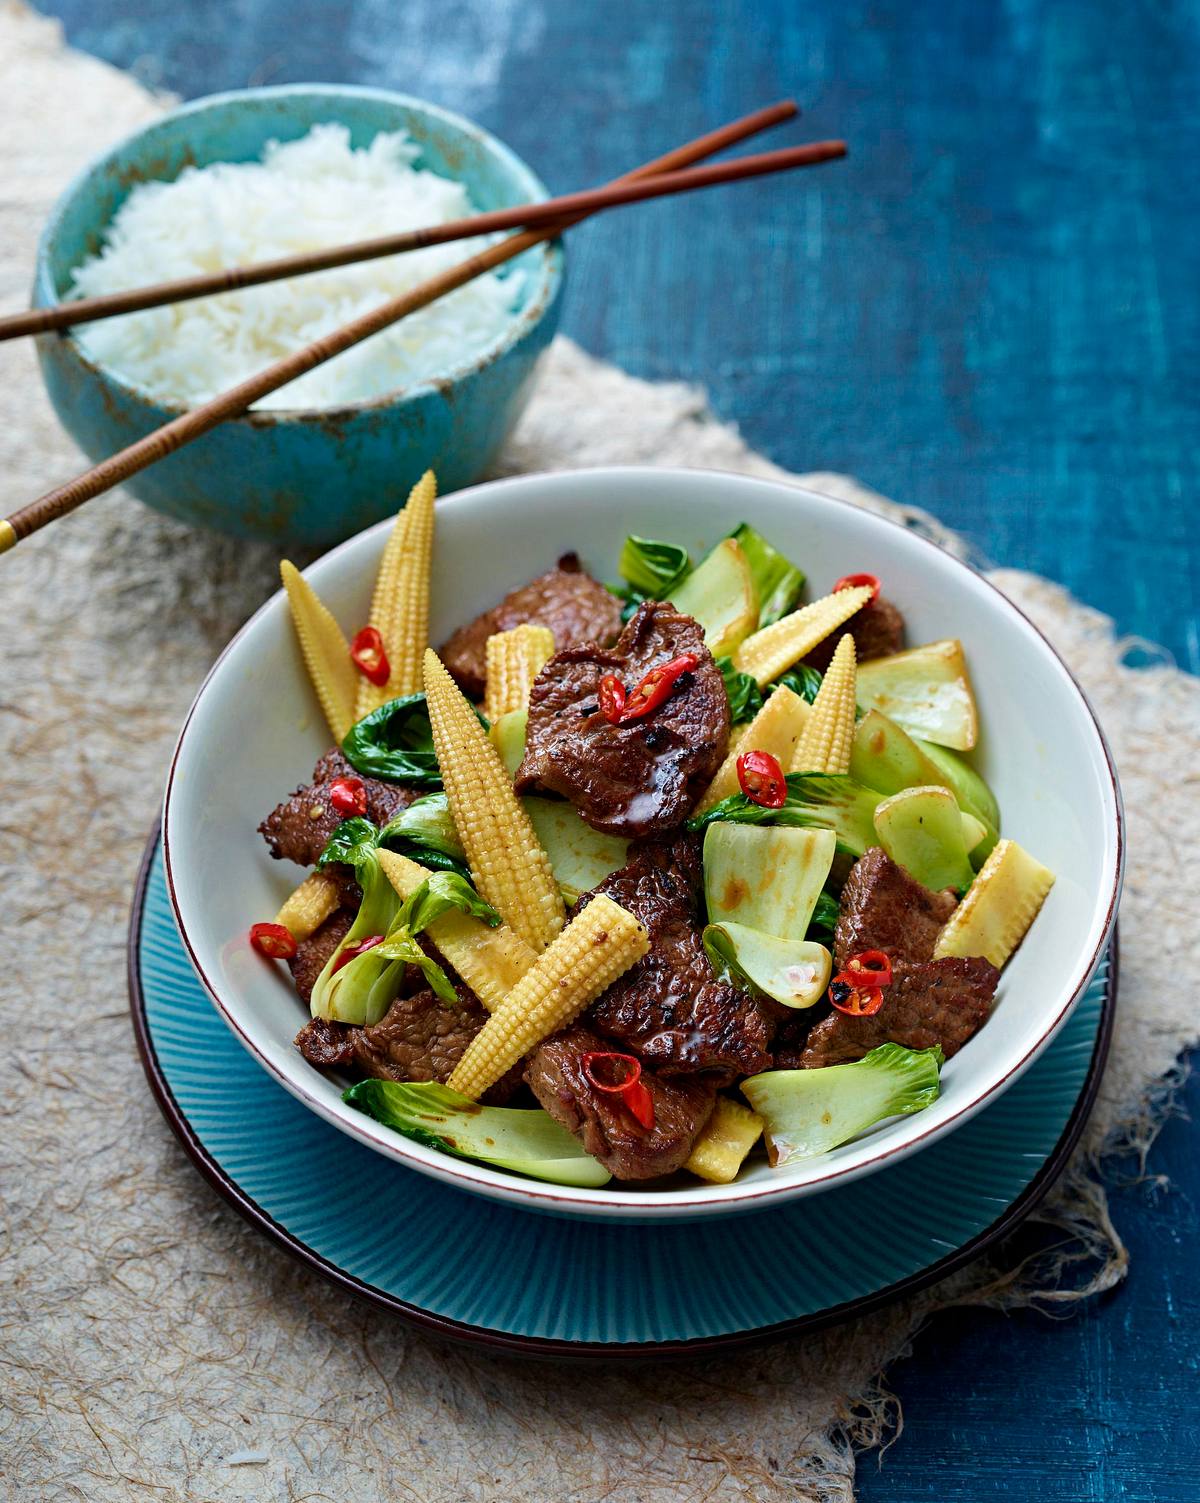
(299, 829)
(423, 1038)
(878, 631)
(938, 1002)
(643, 776)
(311, 954)
(882, 908)
(602, 1124)
(566, 598)
(792, 1035)
(670, 1008)
(328, 1046)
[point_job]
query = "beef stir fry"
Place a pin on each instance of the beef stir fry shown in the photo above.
(631, 776)
(714, 870)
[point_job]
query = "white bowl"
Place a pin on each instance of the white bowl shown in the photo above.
(255, 732)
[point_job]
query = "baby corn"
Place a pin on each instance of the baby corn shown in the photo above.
(719, 1151)
(325, 651)
(1004, 899)
(400, 604)
(514, 660)
(490, 961)
(776, 729)
(309, 905)
(585, 959)
(508, 864)
(769, 652)
(828, 733)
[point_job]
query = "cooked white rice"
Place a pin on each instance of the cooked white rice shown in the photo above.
(303, 194)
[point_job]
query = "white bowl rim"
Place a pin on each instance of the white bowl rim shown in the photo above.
(520, 322)
(703, 1200)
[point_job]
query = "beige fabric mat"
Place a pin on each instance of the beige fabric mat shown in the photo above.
(151, 1344)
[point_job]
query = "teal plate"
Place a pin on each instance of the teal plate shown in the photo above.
(588, 1289)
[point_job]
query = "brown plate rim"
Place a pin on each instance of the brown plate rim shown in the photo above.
(546, 1348)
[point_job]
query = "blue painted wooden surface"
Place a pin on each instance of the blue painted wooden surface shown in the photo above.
(990, 311)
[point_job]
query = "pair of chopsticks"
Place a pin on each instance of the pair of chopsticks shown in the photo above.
(668, 174)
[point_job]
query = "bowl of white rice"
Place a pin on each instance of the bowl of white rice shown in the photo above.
(245, 177)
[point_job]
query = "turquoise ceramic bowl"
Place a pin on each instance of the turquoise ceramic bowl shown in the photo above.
(300, 476)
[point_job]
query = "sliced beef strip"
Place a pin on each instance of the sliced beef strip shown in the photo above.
(644, 776)
(877, 629)
(423, 1038)
(576, 608)
(882, 908)
(933, 1002)
(311, 954)
(554, 1073)
(328, 1046)
(419, 1038)
(671, 1008)
(792, 1035)
(299, 829)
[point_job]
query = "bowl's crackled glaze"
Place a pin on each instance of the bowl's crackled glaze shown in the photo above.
(303, 477)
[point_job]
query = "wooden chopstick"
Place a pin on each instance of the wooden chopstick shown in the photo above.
(238, 399)
(528, 216)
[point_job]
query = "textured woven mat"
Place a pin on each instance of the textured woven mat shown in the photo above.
(151, 1344)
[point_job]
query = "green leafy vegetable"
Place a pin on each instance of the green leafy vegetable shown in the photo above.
(829, 801)
(824, 918)
(655, 570)
(801, 680)
(745, 697)
(361, 990)
(719, 593)
(886, 757)
(426, 832)
(765, 877)
(580, 857)
(794, 972)
(808, 1112)
(400, 948)
(350, 842)
(968, 787)
(528, 1141)
(926, 690)
(437, 895)
(395, 743)
(652, 568)
(921, 829)
(777, 581)
(508, 737)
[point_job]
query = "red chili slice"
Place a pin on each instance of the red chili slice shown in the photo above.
(348, 795)
(612, 698)
(273, 940)
(869, 969)
(851, 581)
(655, 689)
(640, 1104)
(854, 1001)
(351, 952)
(631, 1088)
(370, 656)
(761, 779)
